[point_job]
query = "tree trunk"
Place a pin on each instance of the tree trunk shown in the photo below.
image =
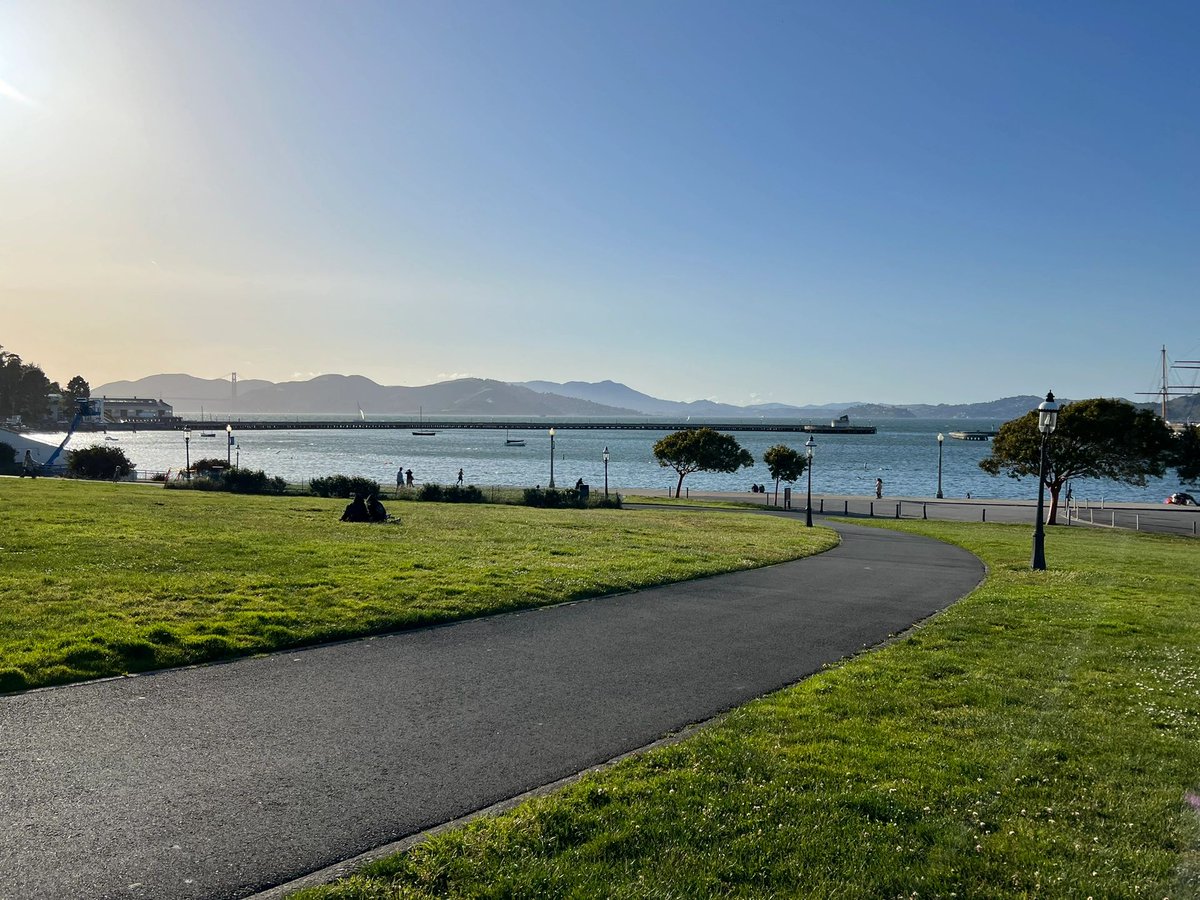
(776, 491)
(679, 486)
(1055, 487)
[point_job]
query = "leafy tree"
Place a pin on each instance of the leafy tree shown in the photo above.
(78, 389)
(700, 450)
(1096, 438)
(24, 388)
(1185, 455)
(784, 464)
(99, 462)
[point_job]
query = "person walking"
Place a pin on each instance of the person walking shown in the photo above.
(878, 488)
(400, 478)
(28, 466)
(460, 477)
(408, 474)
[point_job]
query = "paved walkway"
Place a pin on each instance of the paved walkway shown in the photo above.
(224, 780)
(1159, 518)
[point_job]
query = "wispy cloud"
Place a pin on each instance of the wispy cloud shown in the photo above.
(452, 376)
(7, 90)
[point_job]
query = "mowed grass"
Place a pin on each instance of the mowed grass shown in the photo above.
(99, 579)
(1039, 739)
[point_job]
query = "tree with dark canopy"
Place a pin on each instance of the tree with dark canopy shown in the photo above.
(700, 450)
(1185, 454)
(784, 464)
(1098, 438)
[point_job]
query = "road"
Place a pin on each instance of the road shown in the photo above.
(224, 780)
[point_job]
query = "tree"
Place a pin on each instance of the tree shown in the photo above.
(1185, 454)
(784, 464)
(78, 388)
(24, 388)
(1096, 438)
(700, 450)
(99, 462)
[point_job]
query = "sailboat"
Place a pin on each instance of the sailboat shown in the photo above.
(512, 442)
(424, 433)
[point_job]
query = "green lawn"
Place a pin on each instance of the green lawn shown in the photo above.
(98, 579)
(1038, 739)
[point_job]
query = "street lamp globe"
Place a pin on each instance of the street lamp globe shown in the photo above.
(1048, 414)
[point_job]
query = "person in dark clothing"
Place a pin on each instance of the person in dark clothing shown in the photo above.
(375, 509)
(28, 466)
(408, 475)
(356, 511)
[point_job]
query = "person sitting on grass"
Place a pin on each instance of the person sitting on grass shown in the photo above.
(375, 510)
(356, 511)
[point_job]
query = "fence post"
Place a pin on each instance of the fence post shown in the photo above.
(897, 510)
(924, 511)
(845, 507)
(983, 518)
(1114, 518)
(872, 511)
(822, 504)
(1137, 522)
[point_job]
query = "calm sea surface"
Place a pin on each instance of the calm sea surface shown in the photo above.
(903, 453)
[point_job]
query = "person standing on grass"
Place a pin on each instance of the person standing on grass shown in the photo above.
(28, 466)
(400, 478)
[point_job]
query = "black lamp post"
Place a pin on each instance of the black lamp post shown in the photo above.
(187, 451)
(1047, 418)
(810, 445)
(237, 460)
(228, 445)
(605, 473)
(941, 438)
(551, 457)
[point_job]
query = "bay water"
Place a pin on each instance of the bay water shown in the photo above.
(904, 453)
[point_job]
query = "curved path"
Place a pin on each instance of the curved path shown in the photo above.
(222, 780)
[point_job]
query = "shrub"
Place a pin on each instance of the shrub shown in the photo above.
(550, 498)
(251, 481)
(99, 462)
(343, 486)
(8, 459)
(208, 466)
(450, 493)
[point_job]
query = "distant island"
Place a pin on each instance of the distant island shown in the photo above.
(346, 395)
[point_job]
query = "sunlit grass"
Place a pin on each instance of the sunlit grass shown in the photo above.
(100, 579)
(1036, 740)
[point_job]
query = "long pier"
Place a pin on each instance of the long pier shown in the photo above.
(427, 425)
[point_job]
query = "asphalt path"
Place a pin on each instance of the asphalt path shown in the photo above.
(224, 780)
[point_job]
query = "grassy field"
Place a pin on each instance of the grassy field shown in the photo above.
(1039, 739)
(98, 579)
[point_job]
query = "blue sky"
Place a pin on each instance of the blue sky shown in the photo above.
(898, 202)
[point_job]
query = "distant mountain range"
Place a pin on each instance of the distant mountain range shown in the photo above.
(345, 395)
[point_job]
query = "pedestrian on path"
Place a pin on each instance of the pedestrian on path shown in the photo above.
(460, 477)
(408, 474)
(28, 466)
(878, 488)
